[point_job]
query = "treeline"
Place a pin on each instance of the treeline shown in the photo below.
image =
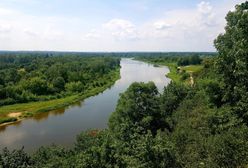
(25, 78)
(164, 54)
(106, 54)
(190, 60)
(193, 59)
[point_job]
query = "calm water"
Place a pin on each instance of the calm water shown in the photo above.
(62, 126)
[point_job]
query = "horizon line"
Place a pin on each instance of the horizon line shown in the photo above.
(68, 51)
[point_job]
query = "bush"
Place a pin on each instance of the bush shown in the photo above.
(7, 101)
(14, 159)
(185, 76)
(74, 87)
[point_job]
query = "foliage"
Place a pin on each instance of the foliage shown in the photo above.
(15, 159)
(191, 60)
(28, 77)
(52, 156)
(137, 107)
(39, 83)
(232, 62)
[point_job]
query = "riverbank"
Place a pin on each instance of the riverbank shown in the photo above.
(171, 65)
(26, 110)
(182, 74)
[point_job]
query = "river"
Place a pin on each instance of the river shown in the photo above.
(61, 126)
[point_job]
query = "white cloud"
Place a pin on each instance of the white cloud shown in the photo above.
(51, 33)
(160, 25)
(31, 33)
(93, 34)
(5, 28)
(204, 7)
(190, 30)
(20, 31)
(121, 29)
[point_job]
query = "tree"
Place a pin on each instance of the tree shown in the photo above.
(14, 159)
(137, 107)
(33, 76)
(230, 148)
(51, 156)
(232, 62)
(195, 59)
(170, 100)
(37, 86)
(74, 87)
(59, 83)
(154, 151)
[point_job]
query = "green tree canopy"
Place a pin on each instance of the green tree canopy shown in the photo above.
(137, 107)
(232, 62)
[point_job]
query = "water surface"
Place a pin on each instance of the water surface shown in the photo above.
(62, 126)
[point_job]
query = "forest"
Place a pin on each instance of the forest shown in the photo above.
(33, 77)
(200, 125)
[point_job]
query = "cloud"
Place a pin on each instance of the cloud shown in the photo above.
(121, 29)
(51, 33)
(160, 25)
(4, 12)
(31, 33)
(93, 34)
(179, 29)
(197, 18)
(206, 14)
(187, 29)
(204, 7)
(21, 31)
(115, 24)
(5, 28)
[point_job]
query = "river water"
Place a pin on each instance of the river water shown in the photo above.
(61, 126)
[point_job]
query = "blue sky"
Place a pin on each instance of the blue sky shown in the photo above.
(112, 25)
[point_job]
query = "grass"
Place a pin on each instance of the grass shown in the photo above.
(193, 68)
(7, 119)
(174, 75)
(177, 77)
(32, 108)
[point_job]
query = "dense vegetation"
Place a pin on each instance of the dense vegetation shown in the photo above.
(200, 126)
(179, 60)
(34, 78)
(42, 77)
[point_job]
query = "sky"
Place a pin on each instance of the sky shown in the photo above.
(112, 25)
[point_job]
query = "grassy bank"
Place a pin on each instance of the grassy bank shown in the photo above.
(7, 120)
(30, 109)
(174, 74)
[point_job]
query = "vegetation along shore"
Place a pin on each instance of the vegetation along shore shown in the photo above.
(41, 83)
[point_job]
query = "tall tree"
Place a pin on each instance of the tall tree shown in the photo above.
(138, 107)
(232, 62)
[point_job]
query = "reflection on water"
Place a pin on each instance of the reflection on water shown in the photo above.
(61, 126)
(43, 116)
(2, 128)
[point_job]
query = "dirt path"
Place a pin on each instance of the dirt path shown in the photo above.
(191, 79)
(15, 114)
